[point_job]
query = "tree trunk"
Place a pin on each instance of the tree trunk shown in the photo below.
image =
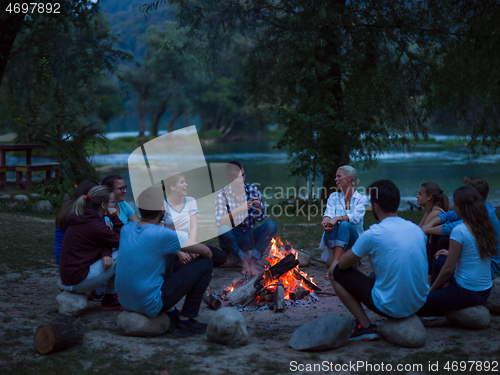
(156, 122)
(339, 153)
(142, 118)
(10, 24)
(172, 121)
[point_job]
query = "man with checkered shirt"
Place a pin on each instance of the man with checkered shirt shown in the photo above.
(237, 208)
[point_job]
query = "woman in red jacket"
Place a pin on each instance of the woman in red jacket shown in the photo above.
(87, 257)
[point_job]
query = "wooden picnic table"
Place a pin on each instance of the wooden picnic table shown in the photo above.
(4, 147)
(20, 168)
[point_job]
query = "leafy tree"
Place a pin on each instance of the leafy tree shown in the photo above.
(164, 80)
(50, 92)
(16, 17)
(343, 77)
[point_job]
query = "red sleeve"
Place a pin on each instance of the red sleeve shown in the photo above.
(107, 238)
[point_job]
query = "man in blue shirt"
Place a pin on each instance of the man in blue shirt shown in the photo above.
(444, 223)
(144, 278)
(396, 248)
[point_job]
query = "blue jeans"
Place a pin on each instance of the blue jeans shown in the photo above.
(237, 241)
(343, 234)
(453, 297)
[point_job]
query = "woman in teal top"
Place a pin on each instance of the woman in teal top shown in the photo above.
(125, 212)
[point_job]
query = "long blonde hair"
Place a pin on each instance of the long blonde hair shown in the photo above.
(97, 195)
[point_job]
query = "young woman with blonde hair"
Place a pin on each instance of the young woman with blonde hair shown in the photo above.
(343, 218)
(87, 258)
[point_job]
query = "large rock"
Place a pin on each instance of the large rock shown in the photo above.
(407, 332)
(135, 324)
(493, 302)
(5, 198)
(71, 304)
(43, 205)
(470, 317)
(227, 327)
(21, 198)
(303, 259)
(329, 331)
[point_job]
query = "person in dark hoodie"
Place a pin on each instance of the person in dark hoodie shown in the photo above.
(87, 259)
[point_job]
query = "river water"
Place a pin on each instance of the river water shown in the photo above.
(268, 167)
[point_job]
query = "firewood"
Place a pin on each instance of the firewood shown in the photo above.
(299, 294)
(279, 299)
(210, 300)
(283, 266)
(266, 295)
(244, 292)
(62, 332)
(308, 283)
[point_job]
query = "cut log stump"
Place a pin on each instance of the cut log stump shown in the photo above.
(62, 332)
(210, 300)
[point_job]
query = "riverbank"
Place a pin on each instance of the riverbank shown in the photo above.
(28, 290)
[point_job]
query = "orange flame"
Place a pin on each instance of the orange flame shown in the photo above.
(290, 282)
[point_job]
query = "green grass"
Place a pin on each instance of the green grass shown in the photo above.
(27, 242)
(84, 361)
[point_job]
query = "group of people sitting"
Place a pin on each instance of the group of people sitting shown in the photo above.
(148, 264)
(446, 262)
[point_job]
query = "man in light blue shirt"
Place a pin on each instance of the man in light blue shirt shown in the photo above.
(444, 223)
(144, 278)
(396, 248)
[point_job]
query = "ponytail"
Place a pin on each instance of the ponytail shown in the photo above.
(96, 196)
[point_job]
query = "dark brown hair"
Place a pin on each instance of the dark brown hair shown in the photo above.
(473, 211)
(438, 196)
(110, 179)
(82, 189)
(479, 184)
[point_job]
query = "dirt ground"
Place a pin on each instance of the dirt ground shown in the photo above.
(28, 300)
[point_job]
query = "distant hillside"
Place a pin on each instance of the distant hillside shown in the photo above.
(130, 23)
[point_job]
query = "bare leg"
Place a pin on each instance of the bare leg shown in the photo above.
(351, 303)
(337, 251)
(245, 268)
(253, 268)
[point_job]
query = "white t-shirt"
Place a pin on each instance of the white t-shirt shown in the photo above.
(471, 272)
(180, 221)
(396, 248)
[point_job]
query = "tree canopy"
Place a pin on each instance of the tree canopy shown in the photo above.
(55, 91)
(346, 78)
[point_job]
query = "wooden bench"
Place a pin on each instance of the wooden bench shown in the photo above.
(3, 178)
(29, 168)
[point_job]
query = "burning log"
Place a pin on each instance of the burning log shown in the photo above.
(283, 266)
(243, 293)
(210, 300)
(60, 333)
(299, 294)
(279, 299)
(308, 283)
(252, 288)
(266, 295)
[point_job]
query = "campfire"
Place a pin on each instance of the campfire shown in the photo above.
(281, 280)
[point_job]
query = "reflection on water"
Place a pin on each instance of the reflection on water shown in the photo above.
(267, 166)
